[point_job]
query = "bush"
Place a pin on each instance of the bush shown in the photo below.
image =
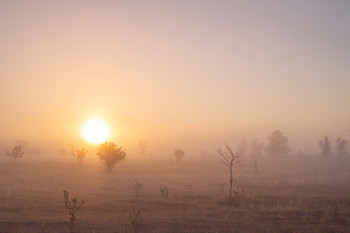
(15, 153)
(110, 154)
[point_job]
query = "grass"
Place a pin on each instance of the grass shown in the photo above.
(287, 195)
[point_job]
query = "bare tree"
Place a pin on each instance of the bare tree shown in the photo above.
(110, 154)
(325, 145)
(80, 155)
(229, 158)
(277, 144)
(15, 153)
(179, 154)
(341, 146)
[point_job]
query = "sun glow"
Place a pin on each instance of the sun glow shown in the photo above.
(95, 131)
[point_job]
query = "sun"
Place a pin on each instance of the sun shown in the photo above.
(95, 131)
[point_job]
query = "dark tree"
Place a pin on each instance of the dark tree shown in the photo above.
(325, 145)
(110, 154)
(341, 146)
(277, 144)
(229, 158)
(179, 154)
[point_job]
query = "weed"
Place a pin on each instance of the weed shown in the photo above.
(137, 187)
(73, 205)
(164, 191)
(134, 221)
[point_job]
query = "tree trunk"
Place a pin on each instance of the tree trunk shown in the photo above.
(231, 180)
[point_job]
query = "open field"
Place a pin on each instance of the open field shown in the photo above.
(286, 195)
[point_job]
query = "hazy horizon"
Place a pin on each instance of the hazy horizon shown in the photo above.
(175, 74)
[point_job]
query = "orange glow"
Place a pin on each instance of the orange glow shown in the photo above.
(95, 131)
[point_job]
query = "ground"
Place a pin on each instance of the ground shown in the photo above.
(287, 194)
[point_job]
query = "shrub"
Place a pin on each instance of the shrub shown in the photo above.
(79, 155)
(110, 154)
(15, 153)
(164, 191)
(179, 154)
(72, 205)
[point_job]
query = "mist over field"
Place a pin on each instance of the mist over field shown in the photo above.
(174, 116)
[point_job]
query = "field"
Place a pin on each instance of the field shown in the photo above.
(288, 194)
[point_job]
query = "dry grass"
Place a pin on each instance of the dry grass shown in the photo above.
(287, 195)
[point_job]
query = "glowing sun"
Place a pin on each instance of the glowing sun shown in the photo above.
(95, 131)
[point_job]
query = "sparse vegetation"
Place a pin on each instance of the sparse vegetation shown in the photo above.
(72, 205)
(325, 145)
(110, 154)
(15, 153)
(134, 221)
(178, 154)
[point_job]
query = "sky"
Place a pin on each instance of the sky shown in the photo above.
(177, 74)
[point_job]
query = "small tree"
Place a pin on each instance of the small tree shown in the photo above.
(325, 145)
(15, 153)
(79, 155)
(110, 154)
(341, 146)
(72, 205)
(277, 144)
(179, 154)
(229, 158)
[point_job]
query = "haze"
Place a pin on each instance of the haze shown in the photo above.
(188, 74)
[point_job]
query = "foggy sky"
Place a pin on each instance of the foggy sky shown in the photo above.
(189, 74)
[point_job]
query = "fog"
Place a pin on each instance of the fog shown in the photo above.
(180, 85)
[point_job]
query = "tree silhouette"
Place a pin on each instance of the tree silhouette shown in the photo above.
(80, 155)
(179, 154)
(325, 145)
(15, 153)
(229, 158)
(277, 144)
(341, 146)
(110, 154)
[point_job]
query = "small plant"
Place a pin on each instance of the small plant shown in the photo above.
(133, 221)
(179, 154)
(136, 187)
(164, 191)
(15, 153)
(110, 154)
(80, 155)
(72, 205)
